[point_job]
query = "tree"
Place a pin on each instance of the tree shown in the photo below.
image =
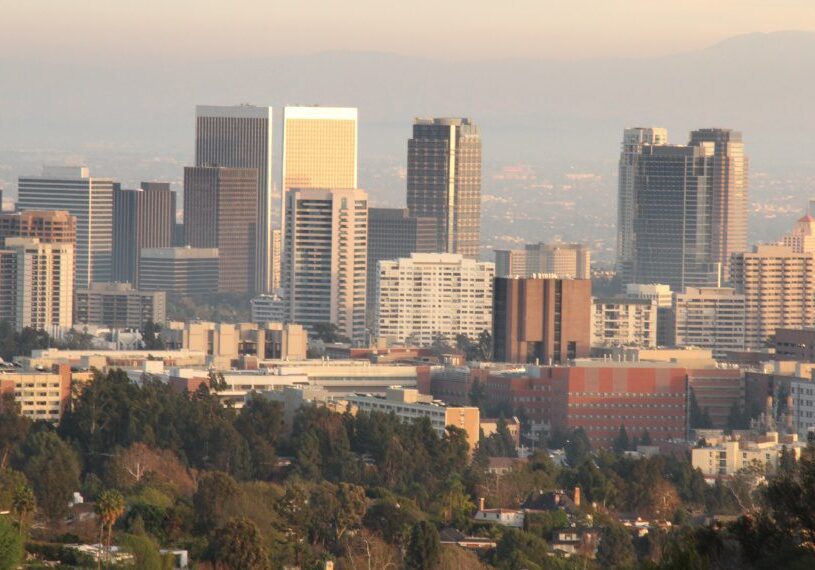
(238, 545)
(53, 470)
(109, 507)
(476, 394)
(485, 346)
(453, 502)
(151, 336)
(146, 555)
(699, 419)
(615, 549)
(139, 465)
(424, 547)
(646, 438)
(738, 418)
(11, 545)
(215, 499)
(23, 504)
(621, 442)
(330, 333)
(13, 427)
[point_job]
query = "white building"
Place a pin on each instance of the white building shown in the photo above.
(709, 317)
(433, 294)
(71, 188)
(325, 259)
(727, 456)
(657, 292)
(564, 260)
(622, 321)
(802, 237)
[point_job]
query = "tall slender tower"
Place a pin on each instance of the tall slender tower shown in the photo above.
(219, 212)
(633, 141)
(319, 149)
(325, 257)
(240, 136)
(144, 217)
(90, 200)
(729, 193)
(444, 181)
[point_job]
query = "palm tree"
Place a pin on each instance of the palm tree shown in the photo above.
(22, 503)
(109, 507)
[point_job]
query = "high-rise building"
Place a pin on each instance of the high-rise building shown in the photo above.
(90, 200)
(392, 234)
(444, 181)
(564, 260)
(633, 141)
(179, 270)
(779, 290)
(144, 217)
(49, 226)
(319, 149)
(541, 319)
(119, 306)
(659, 293)
(240, 136)
(709, 317)
(729, 193)
(687, 206)
(428, 296)
(36, 283)
(220, 212)
(802, 237)
(325, 258)
(622, 321)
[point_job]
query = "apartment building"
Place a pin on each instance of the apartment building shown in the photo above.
(621, 321)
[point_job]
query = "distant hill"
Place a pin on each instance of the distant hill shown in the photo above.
(529, 110)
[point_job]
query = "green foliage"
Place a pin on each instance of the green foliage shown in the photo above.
(616, 550)
(13, 428)
(151, 336)
(237, 545)
(145, 552)
(215, 307)
(329, 333)
(544, 524)
(52, 468)
(10, 480)
(479, 350)
(11, 545)
(393, 518)
(621, 442)
(14, 343)
(699, 418)
(424, 548)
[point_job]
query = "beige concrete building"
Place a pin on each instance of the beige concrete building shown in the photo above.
(433, 294)
(119, 306)
(802, 237)
(325, 262)
(40, 395)
(408, 405)
(264, 341)
(563, 260)
(779, 290)
(724, 457)
(36, 283)
(621, 321)
(319, 149)
(659, 293)
(709, 317)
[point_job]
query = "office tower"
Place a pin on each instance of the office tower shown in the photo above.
(119, 306)
(49, 226)
(564, 260)
(729, 193)
(541, 319)
(36, 283)
(428, 296)
(319, 150)
(277, 250)
(444, 181)
(240, 136)
(633, 141)
(325, 258)
(802, 237)
(621, 321)
(144, 217)
(179, 270)
(709, 317)
(90, 200)
(392, 234)
(220, 212)
(779, 290)
(689, 209)
(268, 309)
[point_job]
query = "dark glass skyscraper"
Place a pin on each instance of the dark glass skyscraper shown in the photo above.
(444, 181)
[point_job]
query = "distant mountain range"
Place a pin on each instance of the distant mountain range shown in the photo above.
(530, 110)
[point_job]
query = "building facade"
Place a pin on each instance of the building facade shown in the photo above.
(41, 395)
(90, 201)
(240, 136)
(220, 211)
(709, 317)
(621, 321)
(36, 283)
(48, 226)
(325, 265)
(563, 260)
(179, 270)
(430, 296)
(444, 181)
(119, 306)
(779, 290)
(541, 319)
(144, 217)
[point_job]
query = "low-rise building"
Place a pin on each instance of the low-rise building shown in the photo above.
(118, 306)
(622, 321)
(726, 456)
(41, 395)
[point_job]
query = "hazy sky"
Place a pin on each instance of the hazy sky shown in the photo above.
(104, 30)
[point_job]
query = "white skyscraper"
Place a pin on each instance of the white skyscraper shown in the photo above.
(433, 294)
(71, 188)
(240, 136)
